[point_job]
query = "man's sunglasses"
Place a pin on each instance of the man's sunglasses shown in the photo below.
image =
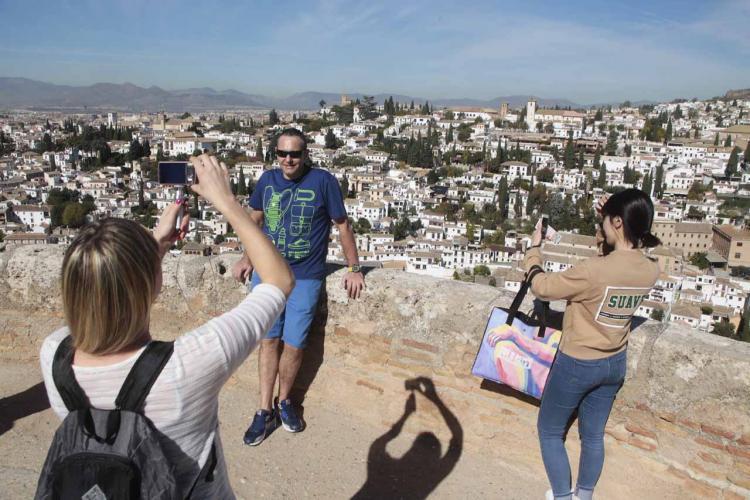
(294, 154)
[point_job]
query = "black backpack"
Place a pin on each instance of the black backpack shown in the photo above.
(110, 454)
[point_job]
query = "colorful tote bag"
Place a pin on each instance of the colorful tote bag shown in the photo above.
(517, 349)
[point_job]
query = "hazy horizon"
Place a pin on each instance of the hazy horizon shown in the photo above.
(588, 52)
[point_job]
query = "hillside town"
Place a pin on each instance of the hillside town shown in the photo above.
(451, 192)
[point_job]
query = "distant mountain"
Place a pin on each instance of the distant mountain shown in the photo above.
(737, 94)
(26, 93)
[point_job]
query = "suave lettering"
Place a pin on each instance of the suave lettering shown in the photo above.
(619, 304)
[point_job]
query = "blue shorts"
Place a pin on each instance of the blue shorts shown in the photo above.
(294, 323)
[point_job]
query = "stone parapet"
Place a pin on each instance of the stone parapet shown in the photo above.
(685, 406)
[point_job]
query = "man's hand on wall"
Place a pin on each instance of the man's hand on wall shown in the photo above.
(354, 283)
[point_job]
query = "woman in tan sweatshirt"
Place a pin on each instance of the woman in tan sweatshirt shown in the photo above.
(602, 293)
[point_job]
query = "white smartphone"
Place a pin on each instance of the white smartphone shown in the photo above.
(548, 232)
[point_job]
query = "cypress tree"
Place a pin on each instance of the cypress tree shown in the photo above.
(569, 158)
(731, 168)
(647, 184)
(241, 186)
(502, 198)
(668, 135)
(659, 181)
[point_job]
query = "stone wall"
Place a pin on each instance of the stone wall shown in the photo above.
(685, 406)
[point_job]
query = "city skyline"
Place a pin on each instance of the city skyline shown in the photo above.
(431, 50)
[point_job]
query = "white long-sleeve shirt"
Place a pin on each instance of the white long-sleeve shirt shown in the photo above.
(183, 402)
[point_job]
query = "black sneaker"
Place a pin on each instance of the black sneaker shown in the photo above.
(289, 419)
(263, 423)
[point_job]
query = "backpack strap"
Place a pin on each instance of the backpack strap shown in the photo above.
(64, 378)
(142, 376)
(207, 472)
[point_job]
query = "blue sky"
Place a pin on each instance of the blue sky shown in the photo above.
(586, 51)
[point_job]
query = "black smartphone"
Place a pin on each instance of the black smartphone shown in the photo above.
(175, 173)
(545, 224)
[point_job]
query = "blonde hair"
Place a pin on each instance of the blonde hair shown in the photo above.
(109, 280)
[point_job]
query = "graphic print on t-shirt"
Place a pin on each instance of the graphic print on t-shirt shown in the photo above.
(618, 305)
(295, 244)
(275, 206)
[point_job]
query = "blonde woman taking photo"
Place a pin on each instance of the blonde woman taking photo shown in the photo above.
(111, 277)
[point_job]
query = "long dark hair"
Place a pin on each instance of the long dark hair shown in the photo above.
(636, 210)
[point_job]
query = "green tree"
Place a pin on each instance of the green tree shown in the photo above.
(668, 134)
(647, 184)
(723, 329)
(367, 108)
(470, 232)
(503, 197)
(716, 139)
(602, 180)
(743, 330)
(344, 184)
(74, 215)
(746, 157)
(241, 186)
(734, 157)
(657, 314)
(481, 270)
(330, 139)
(659, 181)
(728, 141)
(537, 199)
(699, 259)
(696, 191)
(136, 150)
(611, 147)
(45, 144)
(273, 117)
(545, 175)
(569, 157)
(259, 149)
(363, 226)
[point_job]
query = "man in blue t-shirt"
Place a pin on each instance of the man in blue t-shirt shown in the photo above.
(295, 205)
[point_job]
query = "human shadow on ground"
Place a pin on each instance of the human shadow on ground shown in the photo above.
(423, 467)
(25, 403)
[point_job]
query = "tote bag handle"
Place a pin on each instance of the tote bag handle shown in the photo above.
(518, 300)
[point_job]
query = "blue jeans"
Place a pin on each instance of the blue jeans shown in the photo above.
(588, 386)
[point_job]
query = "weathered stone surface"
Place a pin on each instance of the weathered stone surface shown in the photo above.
(686, 401)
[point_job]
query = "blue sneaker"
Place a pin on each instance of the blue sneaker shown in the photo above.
(263, 423)
(289, 419)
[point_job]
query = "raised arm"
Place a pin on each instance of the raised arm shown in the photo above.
(213, 184)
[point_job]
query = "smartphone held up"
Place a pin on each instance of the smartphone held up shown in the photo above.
(178, 174)
(548, 232)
